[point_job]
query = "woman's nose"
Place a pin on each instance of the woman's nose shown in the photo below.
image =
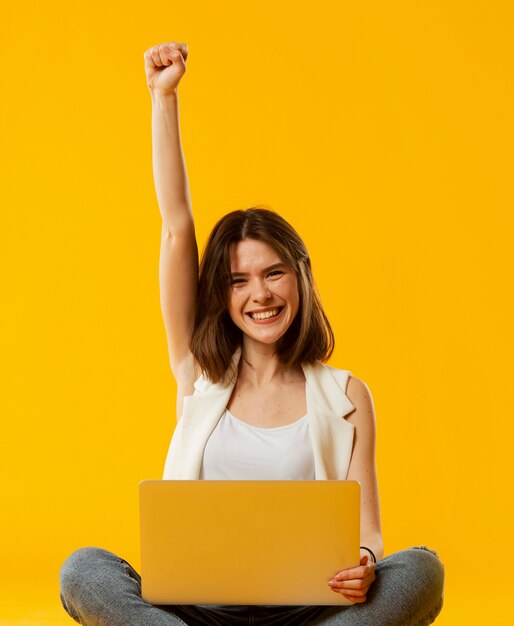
(260, 291)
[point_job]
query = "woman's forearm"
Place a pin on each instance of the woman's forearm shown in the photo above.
(374, 542)
(169, 168)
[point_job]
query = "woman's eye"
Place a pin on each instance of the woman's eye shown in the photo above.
(238, 281)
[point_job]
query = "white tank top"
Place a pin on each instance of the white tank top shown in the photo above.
(239, 451)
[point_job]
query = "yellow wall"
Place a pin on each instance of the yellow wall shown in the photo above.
(383, 131)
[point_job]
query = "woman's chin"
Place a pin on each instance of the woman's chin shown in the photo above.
(267, 340)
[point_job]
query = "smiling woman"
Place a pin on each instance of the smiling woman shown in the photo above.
(255, 261)
(248, 342)
(266, 295)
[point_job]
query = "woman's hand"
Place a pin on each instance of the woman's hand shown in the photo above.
(354, 583)
(165, 64)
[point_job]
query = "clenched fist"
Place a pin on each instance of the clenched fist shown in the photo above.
(165, 64)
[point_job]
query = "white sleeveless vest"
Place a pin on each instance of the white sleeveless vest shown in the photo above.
(327, 404)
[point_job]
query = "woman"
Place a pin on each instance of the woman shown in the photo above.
(249, 322)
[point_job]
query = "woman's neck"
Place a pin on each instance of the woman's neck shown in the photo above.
(259, 366)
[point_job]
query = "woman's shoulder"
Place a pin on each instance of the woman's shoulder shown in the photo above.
(356, 384)
(341, 375)
(360, 396)
(356, 389)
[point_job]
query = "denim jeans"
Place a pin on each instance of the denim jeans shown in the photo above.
(99, 588)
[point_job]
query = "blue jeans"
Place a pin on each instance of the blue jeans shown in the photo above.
(99, 588)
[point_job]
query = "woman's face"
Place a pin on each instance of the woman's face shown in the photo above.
(261, 282)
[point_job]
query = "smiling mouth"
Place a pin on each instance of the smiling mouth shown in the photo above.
(267, 315)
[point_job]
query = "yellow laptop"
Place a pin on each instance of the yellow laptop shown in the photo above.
(247, 541)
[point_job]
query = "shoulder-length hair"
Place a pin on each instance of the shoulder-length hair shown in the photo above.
(215, 337)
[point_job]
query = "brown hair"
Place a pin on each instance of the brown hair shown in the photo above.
(215, 337)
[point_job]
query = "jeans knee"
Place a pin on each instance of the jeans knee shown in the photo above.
(76, 569)
(430, 570)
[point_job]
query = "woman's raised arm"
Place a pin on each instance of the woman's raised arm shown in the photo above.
(165, 64)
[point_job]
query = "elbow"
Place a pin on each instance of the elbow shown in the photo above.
(179, 231)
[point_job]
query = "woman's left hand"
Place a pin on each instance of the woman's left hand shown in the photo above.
(354, 583)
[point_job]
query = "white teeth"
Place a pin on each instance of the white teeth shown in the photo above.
(263, 316)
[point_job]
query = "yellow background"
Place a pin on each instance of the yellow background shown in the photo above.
(384, 132)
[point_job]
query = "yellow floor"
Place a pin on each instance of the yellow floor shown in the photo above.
(31, 603)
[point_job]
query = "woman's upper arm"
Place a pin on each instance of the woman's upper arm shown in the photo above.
(178, 280)
(362, 464)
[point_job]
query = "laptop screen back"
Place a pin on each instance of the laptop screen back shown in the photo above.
(247, 542)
